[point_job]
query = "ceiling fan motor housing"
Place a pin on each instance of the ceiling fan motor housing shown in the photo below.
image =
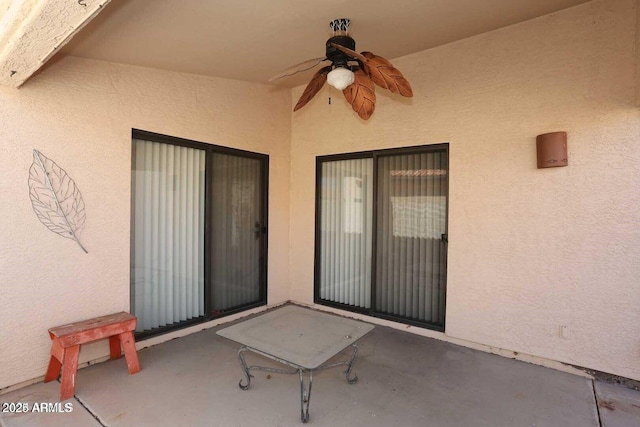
(338, 58)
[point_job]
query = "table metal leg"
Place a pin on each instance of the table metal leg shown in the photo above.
(245, 369)
(354, 356)
(305, 389)
(305, 396)
(349, 364)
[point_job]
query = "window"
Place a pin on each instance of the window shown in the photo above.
(198, 247)
(381, 226)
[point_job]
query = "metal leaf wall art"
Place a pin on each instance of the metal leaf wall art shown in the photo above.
(55, 198)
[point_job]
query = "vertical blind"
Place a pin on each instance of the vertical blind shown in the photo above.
(345, 232)
(168, 233)
(236, 231)
(410, 252)
(405, 246)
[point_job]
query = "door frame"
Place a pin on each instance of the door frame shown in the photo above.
(209, 149)
(374, 155)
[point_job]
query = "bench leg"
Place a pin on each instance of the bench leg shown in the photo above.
(69, 371)
(55, 362)
(130, 354)
(114, 347)
(53, 371)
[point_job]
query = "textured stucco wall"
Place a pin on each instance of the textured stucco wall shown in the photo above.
(80, 114)
(529, 249)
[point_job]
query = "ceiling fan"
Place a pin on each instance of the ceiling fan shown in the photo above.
(351, 72)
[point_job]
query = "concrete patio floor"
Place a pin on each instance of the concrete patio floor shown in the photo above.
(405, 380)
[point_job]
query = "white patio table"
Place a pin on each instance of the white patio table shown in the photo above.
(301, 338)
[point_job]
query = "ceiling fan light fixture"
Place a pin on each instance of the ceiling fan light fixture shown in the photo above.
(370, 70)
(340, 78)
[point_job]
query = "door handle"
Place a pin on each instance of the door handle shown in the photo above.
(258, 229)
(444, 237)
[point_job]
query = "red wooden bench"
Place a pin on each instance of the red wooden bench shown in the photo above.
(67, 340)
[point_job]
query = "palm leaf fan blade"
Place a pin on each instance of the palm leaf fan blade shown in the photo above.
(361, 95)
(294, 69)
(385, 75)
(314, 86)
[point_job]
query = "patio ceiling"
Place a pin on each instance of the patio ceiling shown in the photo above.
(253, 40)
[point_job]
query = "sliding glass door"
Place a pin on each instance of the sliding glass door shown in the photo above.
(168, 231)
(198, 231)
(381, 225)
(236, 228)
(410, 261)
(344, 264)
